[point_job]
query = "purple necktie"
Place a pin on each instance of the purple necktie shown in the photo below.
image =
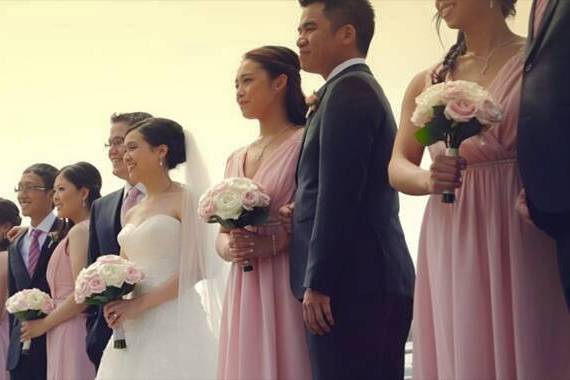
(34, 252)
(131, 200)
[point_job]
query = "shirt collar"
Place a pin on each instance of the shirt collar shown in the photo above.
(128, 187)
(345, 65)
(45, 225)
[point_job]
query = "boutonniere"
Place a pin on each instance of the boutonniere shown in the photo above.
(312, 102)
(54, 237)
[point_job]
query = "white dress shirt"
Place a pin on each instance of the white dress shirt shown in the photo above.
(45, 227)
(345, 65)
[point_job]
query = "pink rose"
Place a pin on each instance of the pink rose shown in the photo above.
(206, 208)
(82, 290)
(97, 285)
(264, 200)
(219, 188)
(134, 275)
(250, 199)
(453, 93)
(460, 111)
(489, 113)
(48, 306)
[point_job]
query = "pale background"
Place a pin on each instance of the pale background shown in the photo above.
(65, 66)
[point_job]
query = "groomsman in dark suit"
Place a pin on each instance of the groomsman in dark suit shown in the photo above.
(106, 222)
(544, 127)
(349, 261)
(28, 257)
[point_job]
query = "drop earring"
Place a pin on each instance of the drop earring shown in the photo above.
(491, 4)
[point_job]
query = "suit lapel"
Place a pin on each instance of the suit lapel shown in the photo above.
(320, 97)
(19, 269)
(536, 41)
(47, 249)
(115, 210)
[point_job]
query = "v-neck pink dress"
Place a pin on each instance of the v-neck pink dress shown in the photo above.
(488, 302)
(262, 334)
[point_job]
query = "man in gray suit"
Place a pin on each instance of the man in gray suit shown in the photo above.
(544, 127)
(349, 262)
(105, 223)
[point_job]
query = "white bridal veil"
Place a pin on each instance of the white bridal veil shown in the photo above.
(202, 278)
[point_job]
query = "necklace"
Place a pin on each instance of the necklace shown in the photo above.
(487, 59)
(270, 140)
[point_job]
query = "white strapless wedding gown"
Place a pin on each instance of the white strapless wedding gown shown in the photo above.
(155, 345)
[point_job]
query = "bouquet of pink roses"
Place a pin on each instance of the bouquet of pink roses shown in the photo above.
(107, 279)
(27, 305)
(453, 112)
(235, 203)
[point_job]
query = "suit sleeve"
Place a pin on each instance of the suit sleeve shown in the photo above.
(348, 125)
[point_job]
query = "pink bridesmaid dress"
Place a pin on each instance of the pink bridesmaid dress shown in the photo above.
(4, 334)
(262, 335)
(488, 301)
(66, 353)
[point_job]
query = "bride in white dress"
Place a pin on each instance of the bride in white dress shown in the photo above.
(171, 319)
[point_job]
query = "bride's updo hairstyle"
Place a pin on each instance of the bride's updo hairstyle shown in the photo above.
(158, 131)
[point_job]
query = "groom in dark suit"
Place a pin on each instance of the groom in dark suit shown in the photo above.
(544, 126)
(28, 257)
(106, 223)
(349, 261)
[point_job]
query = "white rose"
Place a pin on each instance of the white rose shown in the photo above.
(422, 115)
(242, 184)
(228, 204)
(113, 274)
(35, 300)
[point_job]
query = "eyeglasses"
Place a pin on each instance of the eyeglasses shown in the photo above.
(28, 188)
(115, 143)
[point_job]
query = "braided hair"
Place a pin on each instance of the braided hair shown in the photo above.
(449, 63)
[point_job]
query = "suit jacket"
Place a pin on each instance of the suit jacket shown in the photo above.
(105, 225)
(19, 279)
(544, 126)
(347, 236)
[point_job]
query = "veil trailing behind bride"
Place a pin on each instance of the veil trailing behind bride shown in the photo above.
(177, 339)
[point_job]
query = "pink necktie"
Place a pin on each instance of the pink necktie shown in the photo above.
(131, 200)
(34, 252)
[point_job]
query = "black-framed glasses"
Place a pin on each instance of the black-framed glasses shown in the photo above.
(115, 143)
(28, 188)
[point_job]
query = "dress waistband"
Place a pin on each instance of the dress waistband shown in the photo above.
(484, 164)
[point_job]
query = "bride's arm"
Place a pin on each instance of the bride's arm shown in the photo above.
(77, 249)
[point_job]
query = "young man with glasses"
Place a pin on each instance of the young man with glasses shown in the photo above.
(107, 215)
(28, 257)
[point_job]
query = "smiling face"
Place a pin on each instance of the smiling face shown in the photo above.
(117, 149)
(141, 158)
(256, 91)
(458, 14)
(67, 198)
(317, 42)
(34, 198)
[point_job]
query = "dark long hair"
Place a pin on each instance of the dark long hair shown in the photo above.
(83, 174)
(278, 60)
(459, 48)
(10, 214)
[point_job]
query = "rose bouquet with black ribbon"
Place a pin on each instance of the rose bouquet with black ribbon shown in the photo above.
(108, 279)
(28, 305)
(452, 112)
(235, 203)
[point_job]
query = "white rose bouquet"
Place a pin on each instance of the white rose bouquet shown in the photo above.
(108, 279)
(27, 305)
(453, 112)
(235, 203)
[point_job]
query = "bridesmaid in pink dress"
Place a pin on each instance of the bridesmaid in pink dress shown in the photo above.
(76, 187)
(262, 335)
(9, 217)
(488, 302)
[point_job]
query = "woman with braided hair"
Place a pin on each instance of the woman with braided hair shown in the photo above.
(488, 304)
